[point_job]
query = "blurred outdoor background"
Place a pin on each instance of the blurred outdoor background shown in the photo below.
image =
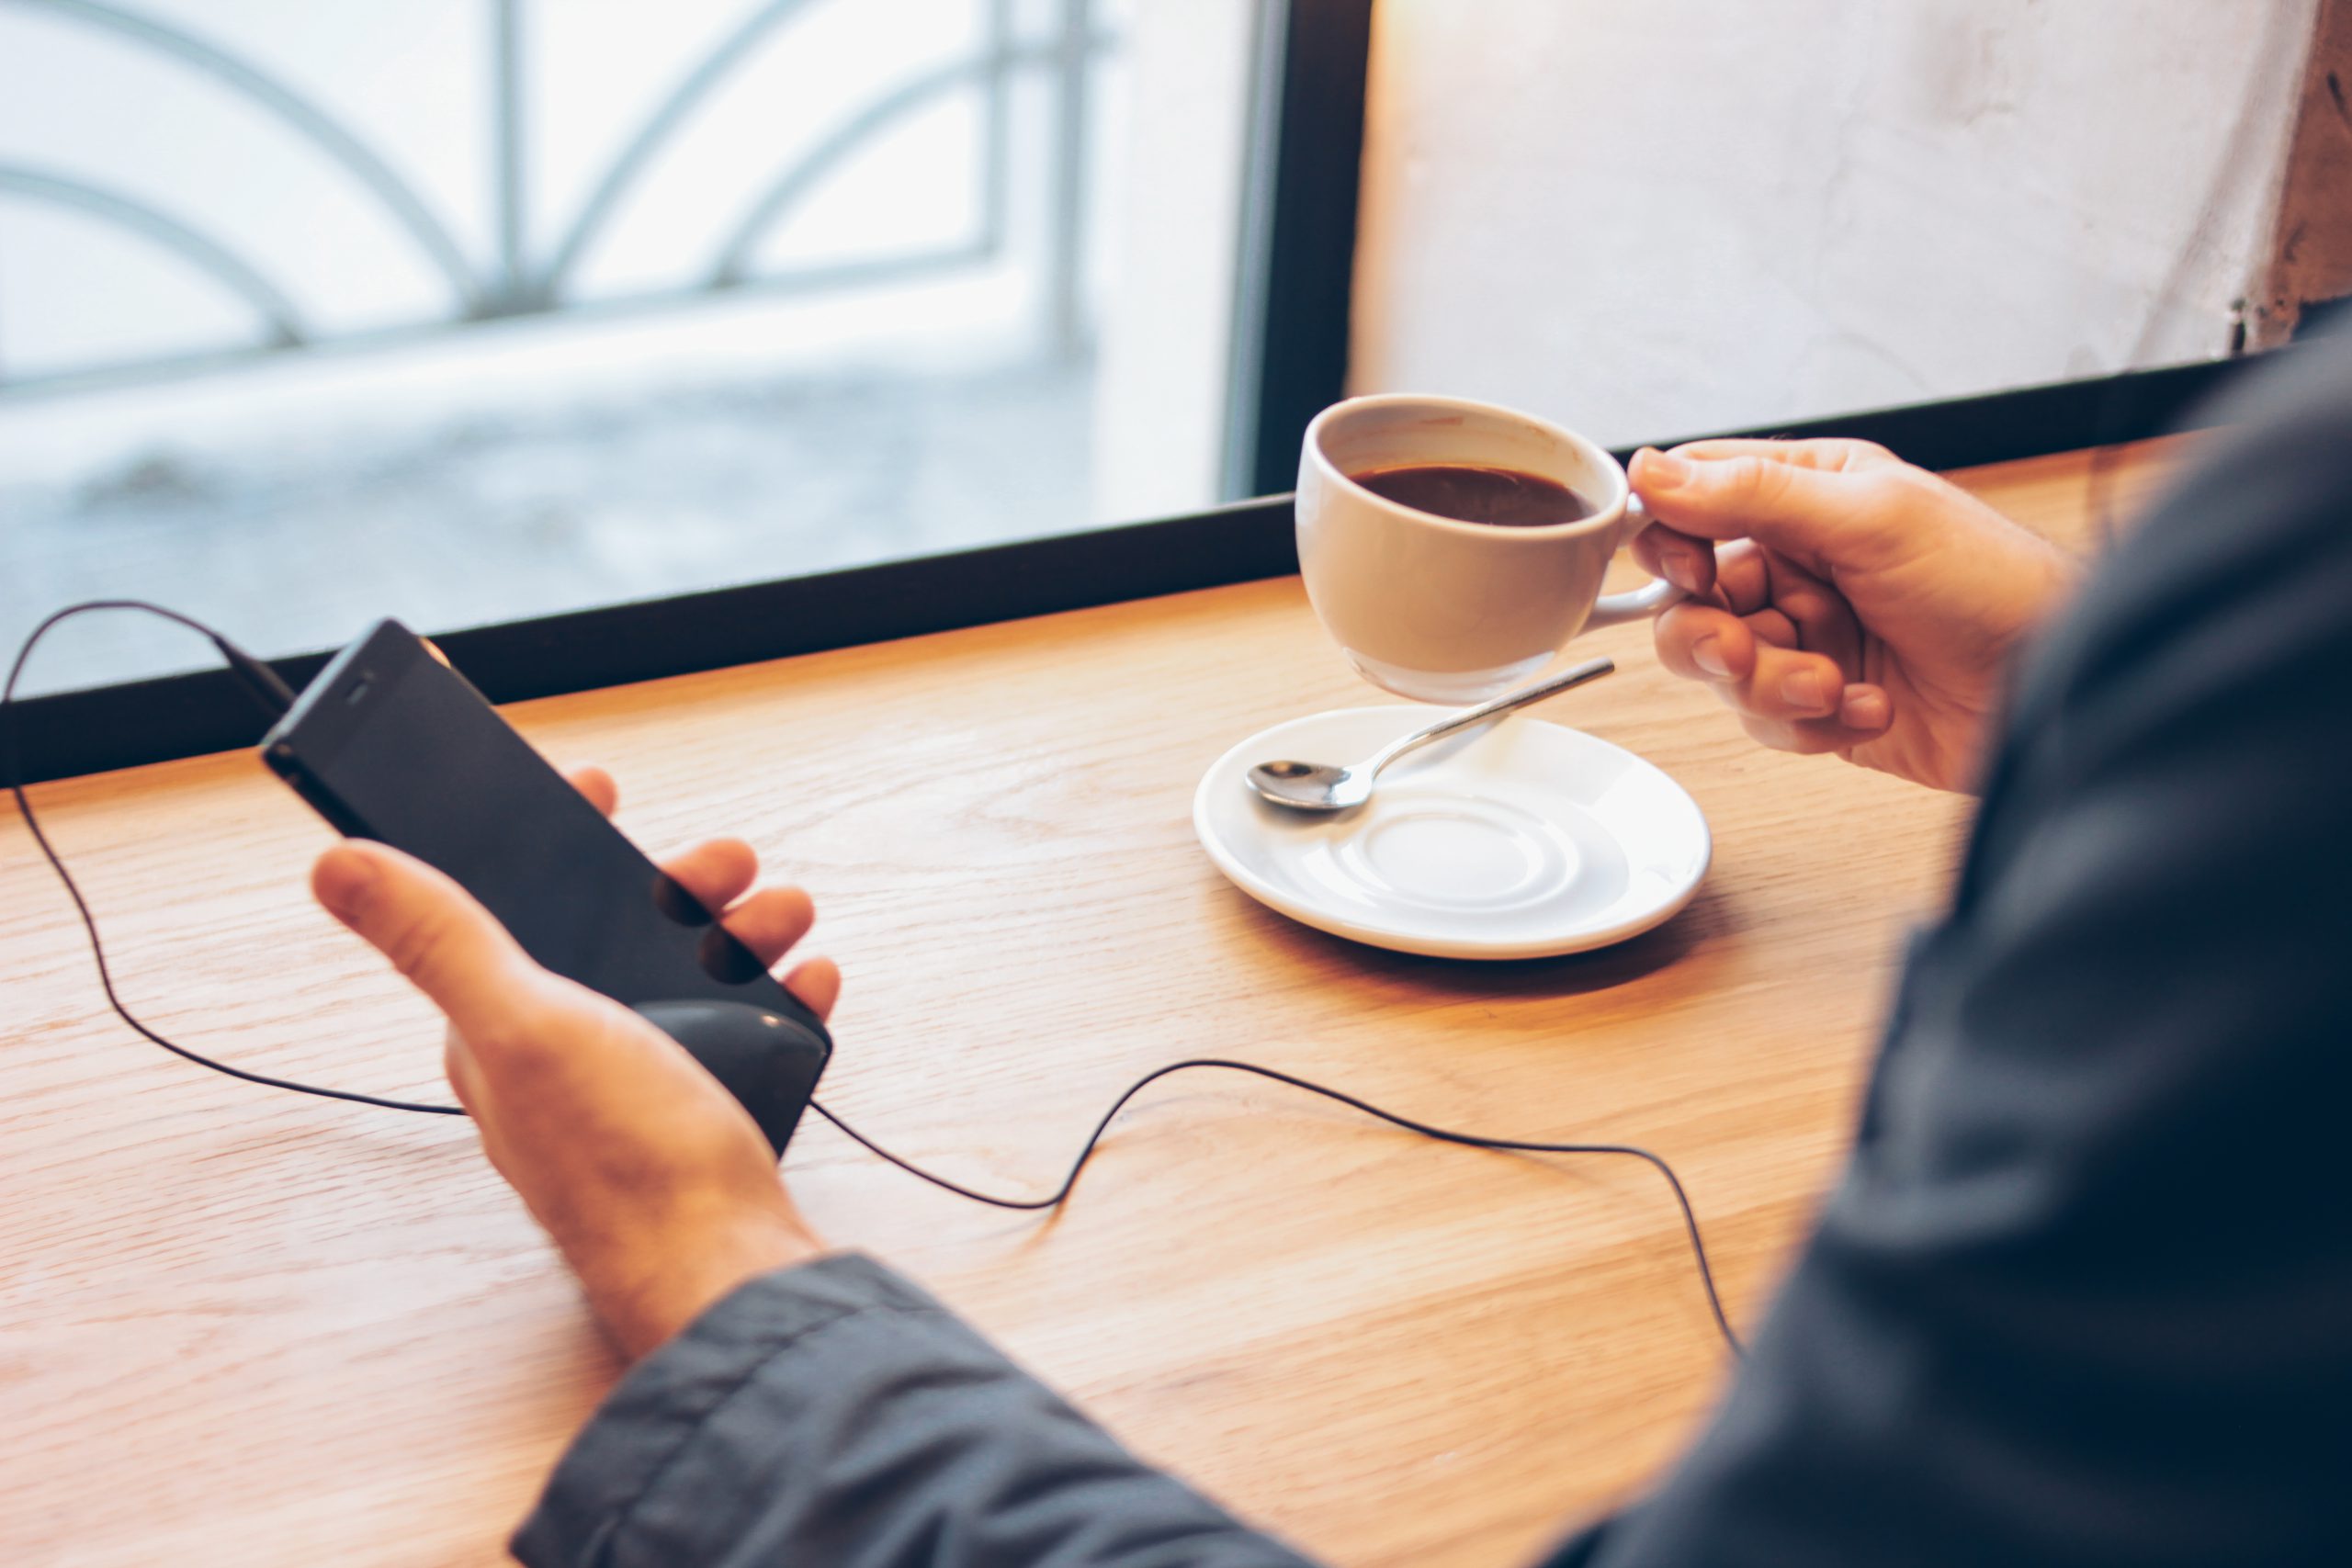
(465, 311)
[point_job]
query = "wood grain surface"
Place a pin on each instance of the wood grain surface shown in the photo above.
(241, 1327)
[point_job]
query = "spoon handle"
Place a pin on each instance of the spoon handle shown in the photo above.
(1574, 675)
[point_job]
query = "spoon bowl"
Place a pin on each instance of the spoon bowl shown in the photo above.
(1311, 786)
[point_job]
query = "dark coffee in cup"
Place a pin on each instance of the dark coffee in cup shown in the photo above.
(1471, 493)
(1452, 548)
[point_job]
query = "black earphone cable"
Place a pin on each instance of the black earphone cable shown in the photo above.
(244, 663)
(273, 695)
(1441, 1135)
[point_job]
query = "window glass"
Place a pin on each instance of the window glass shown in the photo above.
(1662, 220)
(468, 310)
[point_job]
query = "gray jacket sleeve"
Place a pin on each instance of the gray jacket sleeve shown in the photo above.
(2084, 1297)
(835, 1415)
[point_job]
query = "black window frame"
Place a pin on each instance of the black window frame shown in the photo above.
(1291, 329)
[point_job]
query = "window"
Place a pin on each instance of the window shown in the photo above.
(475, 310)
(640, 339)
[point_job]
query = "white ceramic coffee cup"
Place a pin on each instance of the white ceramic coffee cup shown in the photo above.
(1441, 610)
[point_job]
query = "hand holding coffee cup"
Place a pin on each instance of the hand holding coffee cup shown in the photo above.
(1452, 548)
(1845, 601)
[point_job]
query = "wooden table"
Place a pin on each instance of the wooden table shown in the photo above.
(240, 1327)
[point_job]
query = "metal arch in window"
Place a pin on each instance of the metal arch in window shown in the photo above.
(305, 119)
(207, 256)
(1296, 70)
(519, 286)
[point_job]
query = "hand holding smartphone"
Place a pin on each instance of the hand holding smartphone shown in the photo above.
(390, 744)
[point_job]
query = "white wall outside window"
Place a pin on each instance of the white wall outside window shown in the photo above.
(1648, 218)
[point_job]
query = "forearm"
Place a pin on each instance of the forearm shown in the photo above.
(834, 1414)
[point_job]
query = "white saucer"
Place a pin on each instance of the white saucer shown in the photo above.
(1523, 842)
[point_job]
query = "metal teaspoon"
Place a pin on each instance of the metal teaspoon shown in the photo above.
(1319, 786)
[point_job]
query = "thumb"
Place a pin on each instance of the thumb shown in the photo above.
(1814, 514)
(447, 945)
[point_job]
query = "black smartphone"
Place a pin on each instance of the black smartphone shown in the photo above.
(390, 743)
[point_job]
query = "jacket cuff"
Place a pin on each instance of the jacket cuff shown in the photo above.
(625, 1448)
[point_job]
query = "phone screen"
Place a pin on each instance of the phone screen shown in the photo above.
(390, 744)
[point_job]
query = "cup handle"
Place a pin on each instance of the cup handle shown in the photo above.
(1635, 603)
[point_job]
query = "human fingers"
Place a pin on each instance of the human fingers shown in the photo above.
(817, 983)
(1790, 685)
(465, 1077)
(1773, 627)
(1743, 582)
(1822, 620)
(1862, 717)
(1704, 643)
(1820, 516)
(1687, 563)
(1788, 607)
(597, 786)
(770, 920)
(716, 872)
(1835, 453)
(447, 945)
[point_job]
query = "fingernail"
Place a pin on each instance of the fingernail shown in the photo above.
(1660, 471)
(1863, 707)
(1801, 689)
(343, 880)
(1707, 653)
